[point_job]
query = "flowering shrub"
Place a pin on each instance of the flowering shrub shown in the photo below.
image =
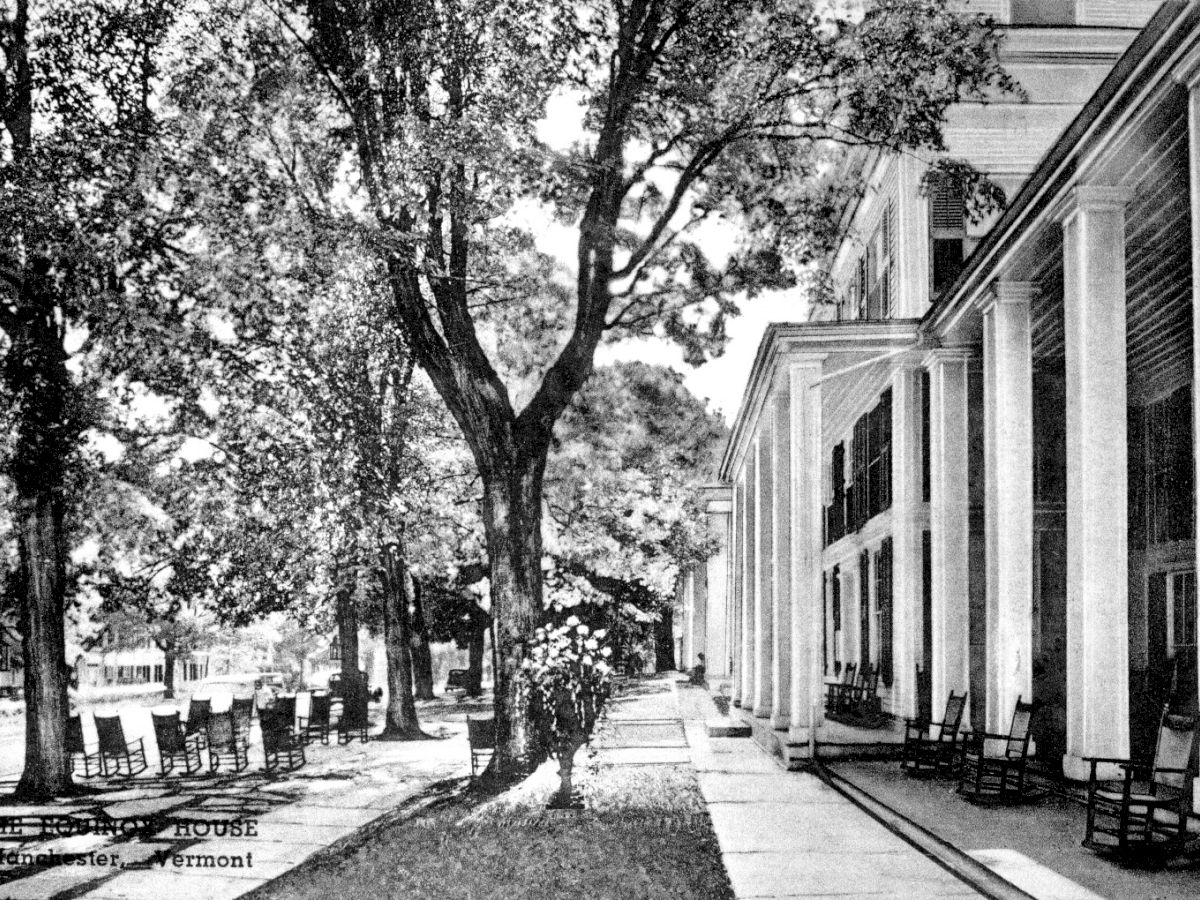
(565, 682)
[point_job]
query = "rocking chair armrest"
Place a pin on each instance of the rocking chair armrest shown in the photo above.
(917, 723)
(1118, 760)
(987, 735)
(1168, 771)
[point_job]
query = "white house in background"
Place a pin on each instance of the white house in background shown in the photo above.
(977, 470)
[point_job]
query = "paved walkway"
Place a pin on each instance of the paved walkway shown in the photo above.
(219, 837)
(788, 835)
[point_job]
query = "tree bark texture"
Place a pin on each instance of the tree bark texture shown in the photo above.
(422, 656)
(512, 516)
(347, 625)
(168, 675)
(475, 661)
(664, 640)
(401, 722)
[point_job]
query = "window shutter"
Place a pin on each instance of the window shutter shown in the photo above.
(883, 599)
(889, 240)
(861, 279)
(946, 209)
(864, 611)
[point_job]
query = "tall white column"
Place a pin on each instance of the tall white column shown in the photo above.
(716, 620)
(807, 515)
(736, 597)
(781, 542)
(764, 567)
(749, 535)
(1008, 509)
(1097, 477)
(949, 515)
(907, 565)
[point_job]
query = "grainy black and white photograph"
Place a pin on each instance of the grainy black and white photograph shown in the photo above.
(623, 449)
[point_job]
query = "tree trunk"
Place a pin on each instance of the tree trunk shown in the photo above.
(347, 624)
(46, 435)
(168, 675)
(664, 640)
(475, 661)
(401, 723)
(421, 655)
(47, 771)
(512, 518)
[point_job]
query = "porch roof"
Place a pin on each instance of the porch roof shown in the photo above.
(842, 347)
(1163, 46)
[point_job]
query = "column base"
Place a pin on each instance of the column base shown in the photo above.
(798, 734)
(1077, 768)
(779, 721)
(762, 711)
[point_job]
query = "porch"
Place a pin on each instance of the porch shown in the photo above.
(1047, 833)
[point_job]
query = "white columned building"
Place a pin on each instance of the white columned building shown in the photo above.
(1093, 222)
(949, 513)
(1008, 514)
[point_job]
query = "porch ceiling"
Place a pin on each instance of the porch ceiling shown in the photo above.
(847, 396)
(1158, 264)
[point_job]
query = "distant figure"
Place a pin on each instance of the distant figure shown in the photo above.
(696, 676)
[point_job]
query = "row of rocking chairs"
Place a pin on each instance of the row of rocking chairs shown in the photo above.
(855, 699)
(1140, 817)
(990, 767)
(223, 737)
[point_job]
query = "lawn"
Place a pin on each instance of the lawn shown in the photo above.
(645, 834)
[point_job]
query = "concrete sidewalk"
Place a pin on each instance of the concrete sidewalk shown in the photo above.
(223, 836)
(788, 835)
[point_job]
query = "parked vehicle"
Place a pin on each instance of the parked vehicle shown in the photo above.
(264, 686)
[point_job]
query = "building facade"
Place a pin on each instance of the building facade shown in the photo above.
(976, 470)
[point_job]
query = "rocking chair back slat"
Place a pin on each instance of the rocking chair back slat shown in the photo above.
(952, 720)
(75, 734)
(168, 733)
(1174, 750)
(110, 734)
(1018, 732)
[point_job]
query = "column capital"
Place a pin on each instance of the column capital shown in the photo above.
(802, 361)
(1007, 293)
(1187, 71)
(1090, 198)
(939, 356)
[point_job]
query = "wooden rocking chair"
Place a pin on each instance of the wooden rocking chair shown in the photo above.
(1142, 817)
(930, 747)
(835, 697)
(126, 758)
(282, 747)
(481, 735)
(175, 746)
(77, 752)
(993, 765)
(317, 724)
(226, 744)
